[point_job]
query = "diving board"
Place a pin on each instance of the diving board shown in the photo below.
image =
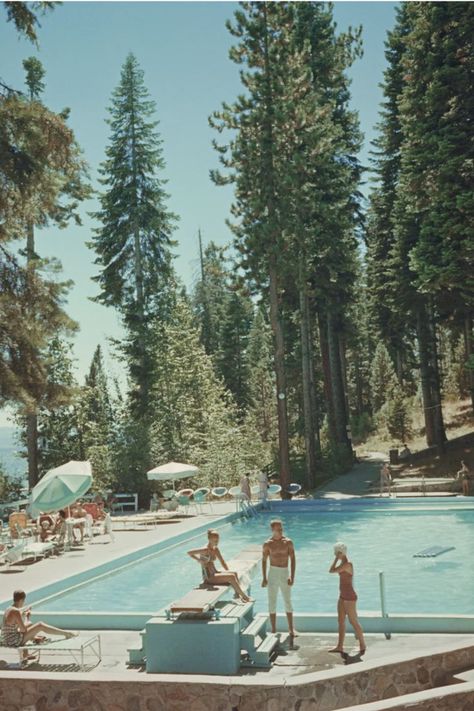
(433, 551)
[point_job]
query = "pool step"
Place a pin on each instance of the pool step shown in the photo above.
(236, 609)
(257, 643)
(138, 656)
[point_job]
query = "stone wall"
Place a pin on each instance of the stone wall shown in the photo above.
(28, 691)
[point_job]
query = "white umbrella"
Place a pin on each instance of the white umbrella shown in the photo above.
(61, 487)
(171, 472)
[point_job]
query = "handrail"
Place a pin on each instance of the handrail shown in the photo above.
(383, 601)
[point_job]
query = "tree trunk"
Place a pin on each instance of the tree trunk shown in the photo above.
(440, 434)
(32, 447)
(306, 373)
(31, 417)
(468, 349)
(279, 364)
(337, 382)
(323, 344)
(314, 402)
(430, 379)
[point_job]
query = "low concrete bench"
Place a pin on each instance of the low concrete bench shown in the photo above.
(201, 619)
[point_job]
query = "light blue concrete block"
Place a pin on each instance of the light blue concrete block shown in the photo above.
(193, 646)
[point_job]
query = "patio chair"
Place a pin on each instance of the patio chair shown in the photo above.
(201, 497)
(236, 493)
(219, 492)
(273, 491)
(169, 494)
(293, 489)
(185, 499)
(18, 524)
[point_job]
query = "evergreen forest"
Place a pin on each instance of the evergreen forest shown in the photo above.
(329, 316)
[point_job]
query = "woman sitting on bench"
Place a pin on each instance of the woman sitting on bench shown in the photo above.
(16, 632)
(206, 557)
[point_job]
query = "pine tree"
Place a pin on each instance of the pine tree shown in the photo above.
(24, 16)
(396, 412)
(261, 378)
(195, 418)
(252, 156)
(134, 240)
(383, 381)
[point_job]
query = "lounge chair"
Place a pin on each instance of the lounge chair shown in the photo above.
(36, 549)
(10, 556)
(78, 648)
(18, 524)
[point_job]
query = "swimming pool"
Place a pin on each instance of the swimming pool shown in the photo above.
(380, 537)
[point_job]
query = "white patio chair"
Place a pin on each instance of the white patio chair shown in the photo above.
(219, 492)
(273, 491)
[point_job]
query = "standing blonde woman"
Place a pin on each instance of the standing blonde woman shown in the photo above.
(346, 605)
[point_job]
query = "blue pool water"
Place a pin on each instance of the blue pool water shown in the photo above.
(384, 539)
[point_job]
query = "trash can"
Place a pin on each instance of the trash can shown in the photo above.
(393, 456)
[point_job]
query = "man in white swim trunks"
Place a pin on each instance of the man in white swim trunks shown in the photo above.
(280, 550)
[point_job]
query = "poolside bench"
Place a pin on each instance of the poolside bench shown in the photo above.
(203, 598)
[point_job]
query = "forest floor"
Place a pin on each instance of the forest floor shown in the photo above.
(459, 421)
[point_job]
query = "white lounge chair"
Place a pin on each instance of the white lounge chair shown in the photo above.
(219, 492)
(10, 556)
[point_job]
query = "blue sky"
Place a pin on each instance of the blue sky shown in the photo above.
(183, 49)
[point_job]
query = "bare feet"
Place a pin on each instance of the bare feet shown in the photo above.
(336, 650)
(70, 635)
(293, 634)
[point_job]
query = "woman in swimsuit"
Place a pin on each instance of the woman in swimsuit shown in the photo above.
(346, 605)
(17, 630)
(206, 557)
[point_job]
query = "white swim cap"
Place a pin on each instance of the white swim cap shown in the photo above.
(340, 548)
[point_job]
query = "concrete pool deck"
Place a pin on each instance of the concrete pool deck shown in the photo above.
(100, 550)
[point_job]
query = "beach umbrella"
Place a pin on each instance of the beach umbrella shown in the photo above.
(61, 487)
(171, 472)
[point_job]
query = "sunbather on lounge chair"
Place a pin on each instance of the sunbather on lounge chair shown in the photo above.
(17, 629)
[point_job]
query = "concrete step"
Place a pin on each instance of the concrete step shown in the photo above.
(467, 675)
(253, 635)
(262, 656)
(137, 656)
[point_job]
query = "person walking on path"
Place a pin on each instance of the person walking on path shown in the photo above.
(280, 551)
(346, 605)
(465, 476)
(385, 478)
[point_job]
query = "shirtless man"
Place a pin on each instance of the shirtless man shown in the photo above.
(280, 550)
(79, 512)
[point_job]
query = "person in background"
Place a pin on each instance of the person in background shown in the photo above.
(263, 484)
(245, 486)
(154, 502)
(279, 551)
(346, 605)
(385, 478)
(80, 513)
(405, 453)
(465, 476)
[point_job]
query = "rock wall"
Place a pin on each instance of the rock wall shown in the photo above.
(28, 691)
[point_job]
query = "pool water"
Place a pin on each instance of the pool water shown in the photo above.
(384, 540)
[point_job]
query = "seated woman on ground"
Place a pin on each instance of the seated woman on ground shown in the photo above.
(206, 557)
(17, 629)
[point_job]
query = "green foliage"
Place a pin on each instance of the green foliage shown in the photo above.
(194, 418)
(10, 489)
(396, 416)
(24, 15)
(383, 381)
(34, 77)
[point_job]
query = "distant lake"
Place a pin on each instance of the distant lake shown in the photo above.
(13, 465)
